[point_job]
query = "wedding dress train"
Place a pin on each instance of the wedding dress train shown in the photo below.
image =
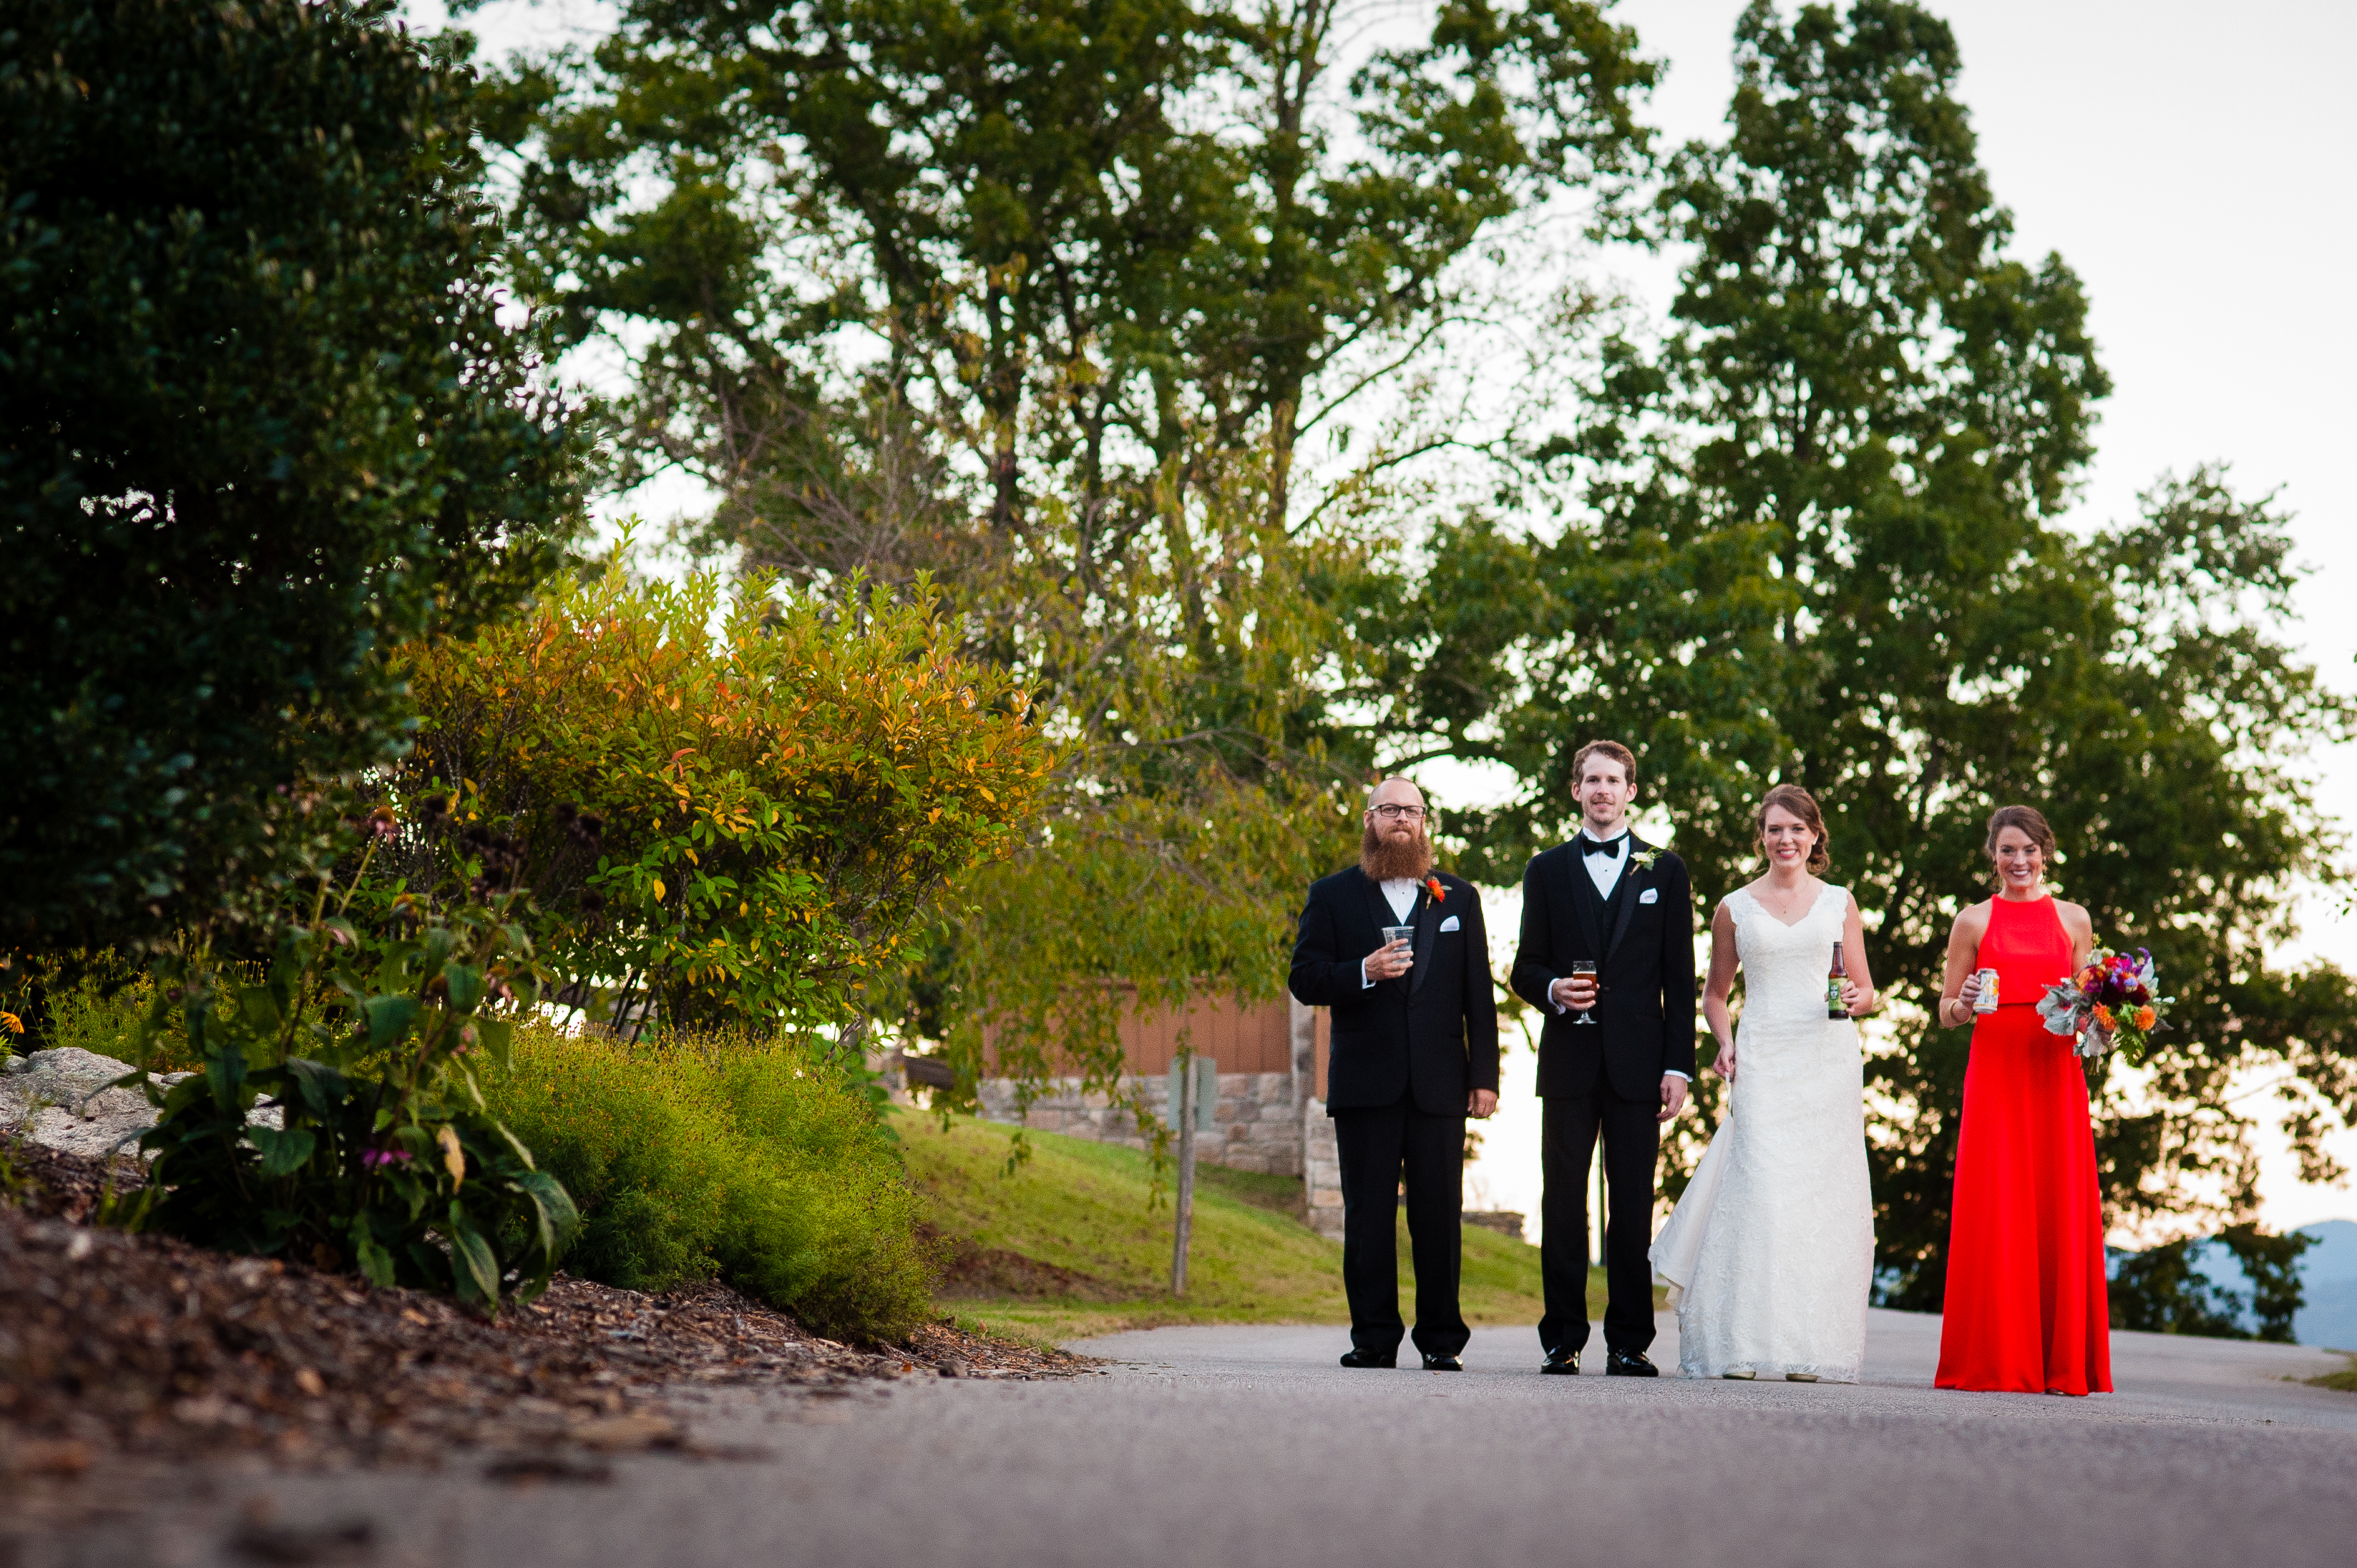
(1769, 1253)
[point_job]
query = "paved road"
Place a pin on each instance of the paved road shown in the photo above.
(1235, 1446)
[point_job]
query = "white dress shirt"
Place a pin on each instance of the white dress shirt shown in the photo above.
(1604, 870)
(1399, 892)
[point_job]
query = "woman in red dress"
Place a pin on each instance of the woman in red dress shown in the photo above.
(2026, 1310)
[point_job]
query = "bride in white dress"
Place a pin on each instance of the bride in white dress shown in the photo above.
(1769, 1253)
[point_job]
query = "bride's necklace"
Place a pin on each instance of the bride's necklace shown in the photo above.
(1784, 904)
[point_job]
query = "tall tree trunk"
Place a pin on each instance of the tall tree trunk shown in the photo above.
(1280, 478)
(1294, 67)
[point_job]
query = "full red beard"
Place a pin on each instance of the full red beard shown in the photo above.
(1384, 858)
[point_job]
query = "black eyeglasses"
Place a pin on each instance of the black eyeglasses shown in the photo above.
(1393, 814)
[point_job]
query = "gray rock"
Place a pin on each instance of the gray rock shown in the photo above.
(61, 1100)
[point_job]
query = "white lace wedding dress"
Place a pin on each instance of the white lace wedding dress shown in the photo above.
(1769, 1253)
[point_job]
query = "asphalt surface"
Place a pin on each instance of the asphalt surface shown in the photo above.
(1242, 1446)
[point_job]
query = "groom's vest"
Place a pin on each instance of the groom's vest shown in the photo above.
(1603, 938)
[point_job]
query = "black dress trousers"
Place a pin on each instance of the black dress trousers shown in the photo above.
(1376, 1145)
(1632, 1140)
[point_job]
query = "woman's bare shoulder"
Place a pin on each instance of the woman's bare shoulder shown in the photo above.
(2074, 918)
(1972, 922)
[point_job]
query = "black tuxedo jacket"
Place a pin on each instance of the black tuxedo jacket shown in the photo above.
(1434, 1030)
(1643, 943)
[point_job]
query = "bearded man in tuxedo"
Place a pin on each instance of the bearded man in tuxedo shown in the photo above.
(1414, 1053)
(1608, 958)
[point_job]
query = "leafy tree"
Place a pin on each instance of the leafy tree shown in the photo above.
(1083, 242)
(2158, 1291)
(1193, 802)
(735, 804)
(1045, 298)
(1821, 545)
(259, 422)
(2271, 1264)
(2162, 1290)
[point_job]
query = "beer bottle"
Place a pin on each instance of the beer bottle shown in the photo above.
(1834, 1008)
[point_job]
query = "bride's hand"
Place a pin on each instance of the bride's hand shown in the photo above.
(1725, 1065)
(1856, 1002)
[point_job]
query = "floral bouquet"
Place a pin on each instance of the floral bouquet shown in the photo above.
(2113, 1001)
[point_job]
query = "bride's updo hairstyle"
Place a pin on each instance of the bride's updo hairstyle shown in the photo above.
(1804, 805)
(2031, 822)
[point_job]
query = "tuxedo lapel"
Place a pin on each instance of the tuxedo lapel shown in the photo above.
(1427, 932)
(1625, 892)
(1586, 899)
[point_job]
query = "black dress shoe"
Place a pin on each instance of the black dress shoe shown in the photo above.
(1371, 1357)
(1443, 1364)
(1561, 1364)
(1629, 1364)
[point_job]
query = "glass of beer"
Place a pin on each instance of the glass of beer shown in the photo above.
(1587, 967)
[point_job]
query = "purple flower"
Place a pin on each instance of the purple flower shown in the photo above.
(373, 1157)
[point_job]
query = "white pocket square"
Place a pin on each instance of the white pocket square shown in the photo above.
(1450, 924)
(1650, 896)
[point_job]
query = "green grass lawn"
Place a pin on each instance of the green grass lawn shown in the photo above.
(1066, 1246)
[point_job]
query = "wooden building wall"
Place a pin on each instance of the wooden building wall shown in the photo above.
(1255, 1038)
(1242, 1037)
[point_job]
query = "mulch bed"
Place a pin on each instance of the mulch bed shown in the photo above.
(141, 1346)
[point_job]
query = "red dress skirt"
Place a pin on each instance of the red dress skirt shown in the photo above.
(2026, 1310)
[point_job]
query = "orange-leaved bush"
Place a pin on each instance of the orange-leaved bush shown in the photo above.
(728, 798)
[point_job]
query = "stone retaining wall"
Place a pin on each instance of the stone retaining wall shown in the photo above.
(1258, 1126)
(1322, 1178)
(1269, 1122)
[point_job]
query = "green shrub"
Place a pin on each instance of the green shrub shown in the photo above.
(859, 1263)
(100, 1014)
(102, 1004)
(701, 1157)
(366, 1035)
(643, 1145)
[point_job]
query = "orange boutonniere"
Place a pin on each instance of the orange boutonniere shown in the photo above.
(1439, 894)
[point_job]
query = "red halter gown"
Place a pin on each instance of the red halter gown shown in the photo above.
(2026, 1310)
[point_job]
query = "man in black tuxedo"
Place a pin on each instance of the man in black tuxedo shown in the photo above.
(1414, 1053)
(1610, 898)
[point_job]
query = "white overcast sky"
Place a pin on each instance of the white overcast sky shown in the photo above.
(2193, 163)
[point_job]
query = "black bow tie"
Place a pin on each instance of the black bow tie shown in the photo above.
(1589, 846)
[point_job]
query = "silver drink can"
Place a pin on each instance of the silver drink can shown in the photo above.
(1987, 1001)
